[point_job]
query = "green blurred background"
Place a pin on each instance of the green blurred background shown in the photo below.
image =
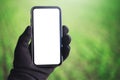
(94, 27)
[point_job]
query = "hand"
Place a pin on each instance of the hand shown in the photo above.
(24, 69)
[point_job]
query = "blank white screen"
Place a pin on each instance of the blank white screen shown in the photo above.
(46, 22)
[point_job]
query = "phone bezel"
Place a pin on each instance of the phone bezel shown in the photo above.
(61, 35)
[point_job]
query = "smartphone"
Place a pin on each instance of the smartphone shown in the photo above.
(47, 34)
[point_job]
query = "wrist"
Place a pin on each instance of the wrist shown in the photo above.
(28, 74)
(18, 75)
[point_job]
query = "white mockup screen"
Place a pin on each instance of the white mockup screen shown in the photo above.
(46, 23)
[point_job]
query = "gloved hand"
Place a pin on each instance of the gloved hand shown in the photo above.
(23, 67)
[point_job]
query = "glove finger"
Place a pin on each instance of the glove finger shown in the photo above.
(65, 51)
(66, 40)
(25, 37)
(65, 30)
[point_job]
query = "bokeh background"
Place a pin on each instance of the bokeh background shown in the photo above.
(94, 27)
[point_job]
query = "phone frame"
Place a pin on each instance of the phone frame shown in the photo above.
(61, 34)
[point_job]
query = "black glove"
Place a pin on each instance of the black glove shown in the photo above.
(24, 69)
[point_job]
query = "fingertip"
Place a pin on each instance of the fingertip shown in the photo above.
(28, 31)
(66, 40)
(65, 30)
(66, 50)
(26, 36)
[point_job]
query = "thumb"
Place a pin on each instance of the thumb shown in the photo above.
(21, 58)
(25, 37)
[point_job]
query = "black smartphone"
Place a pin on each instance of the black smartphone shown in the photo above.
(47, 34)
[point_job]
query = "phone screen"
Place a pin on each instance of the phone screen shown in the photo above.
(46, 22)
